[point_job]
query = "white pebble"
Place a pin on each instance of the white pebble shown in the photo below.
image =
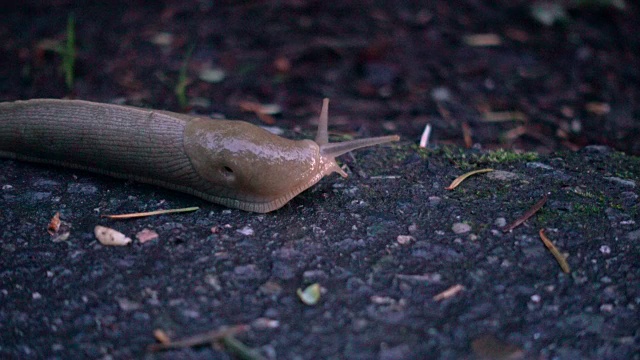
(110, 237)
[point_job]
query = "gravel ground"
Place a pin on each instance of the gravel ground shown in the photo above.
(406, 268)
(382, 245)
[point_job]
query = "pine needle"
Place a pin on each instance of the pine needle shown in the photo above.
(534, 209)
(150, 213)
(555, 252)
(461, 178)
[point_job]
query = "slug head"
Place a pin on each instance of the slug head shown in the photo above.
(249, 168)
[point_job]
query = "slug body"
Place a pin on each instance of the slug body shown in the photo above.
(232, 163)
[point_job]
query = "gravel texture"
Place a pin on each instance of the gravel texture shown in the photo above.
(381, 244)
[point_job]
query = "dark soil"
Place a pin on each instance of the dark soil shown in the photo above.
(382, 243)
(388, 66)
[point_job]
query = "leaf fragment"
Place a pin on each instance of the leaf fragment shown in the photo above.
(54, 224)
(310, 295)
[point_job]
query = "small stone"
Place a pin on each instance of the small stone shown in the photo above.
(538, 165)
(596, 149)
(623, 182)
(441, 94)
(110, 237)
(82, 189)
(128, 305)
(162, 39)
(36, 296)
(212, 75)
(146, 235)
(265, 323)
(461, 228)
(606, 307)
(247, 230)
(502, 175)
(405, 239)
(500, 222)
(605, 249)
(634, 235)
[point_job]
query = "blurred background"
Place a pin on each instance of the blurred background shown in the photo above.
(525, 75)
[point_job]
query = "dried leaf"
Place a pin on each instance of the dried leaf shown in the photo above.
(54, 224)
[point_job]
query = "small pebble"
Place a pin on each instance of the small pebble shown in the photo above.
(405, 239)
(247, 230)
(461, 228)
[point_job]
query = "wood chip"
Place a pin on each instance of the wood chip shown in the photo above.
(483, 40)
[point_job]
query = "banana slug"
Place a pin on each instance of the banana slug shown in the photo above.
(232, 163)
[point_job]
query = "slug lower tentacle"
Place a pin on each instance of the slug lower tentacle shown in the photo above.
(232, 163)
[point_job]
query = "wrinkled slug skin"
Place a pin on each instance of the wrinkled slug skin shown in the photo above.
(120, 141)
(232, 163)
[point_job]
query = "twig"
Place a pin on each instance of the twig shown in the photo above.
(526, 215)
(555, 252)
(466, 134)
(200, 339)
(235, 346)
